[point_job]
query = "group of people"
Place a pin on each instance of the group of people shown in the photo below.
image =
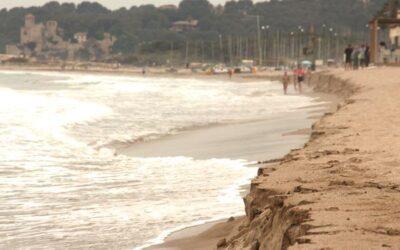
(357, 57)
(299, 76)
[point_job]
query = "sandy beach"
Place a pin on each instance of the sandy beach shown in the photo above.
(341, 191)
(258, 123)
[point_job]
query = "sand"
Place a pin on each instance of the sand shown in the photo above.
(199, 237)
(251, 141)
(342, 190)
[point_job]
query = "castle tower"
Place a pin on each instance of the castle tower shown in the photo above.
(29, 21)
(51, 27)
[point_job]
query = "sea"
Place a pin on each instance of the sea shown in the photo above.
(66, 184)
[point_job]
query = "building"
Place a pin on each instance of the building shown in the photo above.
(32, 34)
(385, 47)
(394, 34)
(80, 37)
(107, 43)
(183, 26)
(45, 41)
(12, 49)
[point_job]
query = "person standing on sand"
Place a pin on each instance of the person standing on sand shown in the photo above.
(348, 53)
(285, 82)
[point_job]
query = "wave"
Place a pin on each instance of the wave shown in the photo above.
(120, 144)
(229, 193)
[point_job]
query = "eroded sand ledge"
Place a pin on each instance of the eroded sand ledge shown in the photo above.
(341, 191)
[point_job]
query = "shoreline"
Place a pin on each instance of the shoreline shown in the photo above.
(195, 76)
(342, 189)
(206, 235)
(182, 73)
(180, 239)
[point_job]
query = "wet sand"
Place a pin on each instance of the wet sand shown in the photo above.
(251, 141)
(259, 140)
(342, 190)
(199, 237)
(255, 141)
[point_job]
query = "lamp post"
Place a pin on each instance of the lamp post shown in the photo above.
(265, 28)
(330, 42)
(258, 38)
(336, 46)
(301, 31)
(324, 47)
(259, 41)
(221, 53)
(292, 52)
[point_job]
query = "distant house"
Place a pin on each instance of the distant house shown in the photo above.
(80, 37)
(12, 49)
(182, 26)
(107, 43)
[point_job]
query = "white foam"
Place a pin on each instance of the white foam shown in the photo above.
(54, 147)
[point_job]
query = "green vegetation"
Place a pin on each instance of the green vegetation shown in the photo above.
(146, 29)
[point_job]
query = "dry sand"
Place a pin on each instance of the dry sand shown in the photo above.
(342, 190)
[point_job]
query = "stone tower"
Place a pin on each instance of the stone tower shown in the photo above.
(51, 28)
(29, 21)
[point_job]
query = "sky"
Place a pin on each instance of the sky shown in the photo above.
(112, 4)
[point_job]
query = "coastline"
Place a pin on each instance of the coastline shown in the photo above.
(242, 79)
(342, 189)
(207, 235)
(151, 72)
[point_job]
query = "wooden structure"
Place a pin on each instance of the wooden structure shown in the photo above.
(388, 16)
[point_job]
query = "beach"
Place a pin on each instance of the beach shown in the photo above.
(124, 160)
(337, 188)
(341, 191)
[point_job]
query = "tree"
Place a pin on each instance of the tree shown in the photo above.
(148, 23)
(93, 8)
(198, 9)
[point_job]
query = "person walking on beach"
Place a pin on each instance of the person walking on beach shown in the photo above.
(300, 78)
(309, 76)
(230, 73)
(355, 58)
(295, 79)
(348, 53)
(285, 82)
(367, 56)
(361, 56)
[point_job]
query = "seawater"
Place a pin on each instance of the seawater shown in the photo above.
(63, 184)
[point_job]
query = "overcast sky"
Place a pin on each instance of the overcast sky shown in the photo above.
(113, 4)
